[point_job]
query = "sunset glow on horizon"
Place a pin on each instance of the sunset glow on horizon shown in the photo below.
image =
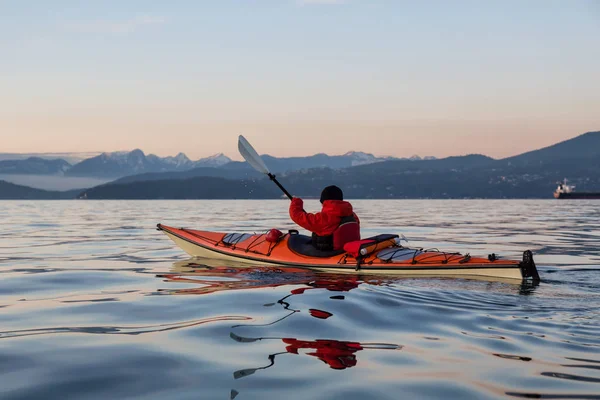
(391, 78)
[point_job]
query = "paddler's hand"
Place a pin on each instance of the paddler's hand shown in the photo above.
(297, 202)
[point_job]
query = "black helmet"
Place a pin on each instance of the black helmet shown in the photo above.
(331, 193)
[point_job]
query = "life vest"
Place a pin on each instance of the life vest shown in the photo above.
(347, 231)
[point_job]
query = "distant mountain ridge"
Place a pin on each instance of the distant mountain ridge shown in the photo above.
(34, 165)
(533, 174)
(221, 166)
(581, 147)
(118, 164)
(122, 164)
(470, 176)
(70, 157)
(320, 160)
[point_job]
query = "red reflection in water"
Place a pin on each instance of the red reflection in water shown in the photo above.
(319, 313)
(336, 354)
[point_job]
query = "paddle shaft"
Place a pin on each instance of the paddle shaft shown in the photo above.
(272, 177)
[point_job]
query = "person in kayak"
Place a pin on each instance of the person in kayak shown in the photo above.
(334, 226)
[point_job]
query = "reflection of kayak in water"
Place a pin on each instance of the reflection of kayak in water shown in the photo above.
(217, 279)
(336, 354)
(209, 276)
(382, 255)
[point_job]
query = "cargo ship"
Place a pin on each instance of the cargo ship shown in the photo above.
(564, 191)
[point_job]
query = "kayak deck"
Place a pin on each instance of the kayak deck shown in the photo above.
(254, 249)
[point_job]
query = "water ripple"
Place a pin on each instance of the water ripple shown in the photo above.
(95, 303)
(120, 330)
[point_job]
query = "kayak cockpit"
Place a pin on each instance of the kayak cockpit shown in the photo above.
(302, 245)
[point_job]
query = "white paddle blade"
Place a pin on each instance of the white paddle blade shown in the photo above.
(251, 156)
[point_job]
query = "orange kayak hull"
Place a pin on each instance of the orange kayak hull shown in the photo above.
(254, 249)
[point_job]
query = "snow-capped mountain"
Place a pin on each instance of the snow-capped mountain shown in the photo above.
(361, 158)
(179, 162)
(123, 163)
(216, 160)
(118, 164)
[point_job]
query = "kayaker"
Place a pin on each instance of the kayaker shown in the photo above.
(334, 226)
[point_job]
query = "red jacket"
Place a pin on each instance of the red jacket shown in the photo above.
(325, 222)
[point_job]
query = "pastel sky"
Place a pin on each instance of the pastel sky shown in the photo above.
(297, 77)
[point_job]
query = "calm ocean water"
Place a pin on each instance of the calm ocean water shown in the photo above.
(97, 304)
